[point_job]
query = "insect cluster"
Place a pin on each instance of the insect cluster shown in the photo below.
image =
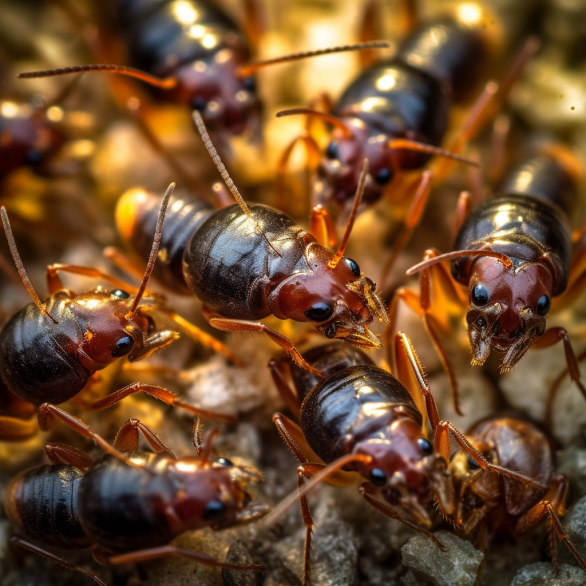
(324, 245)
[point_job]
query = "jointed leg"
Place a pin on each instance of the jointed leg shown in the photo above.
(54, 282)
(463, 208)
(158, 393)
(287, 393)
(240, 325)
(127, 438)
(58, 560)
(154, 553)
(322, 227)
(554, 335)
(553, 505)
(412, 220)
(392, 514)
(64, 454)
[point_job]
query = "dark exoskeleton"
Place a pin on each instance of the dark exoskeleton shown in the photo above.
(194, 54)
(128, 508)
(514, 254)
(51, 351)
(246, 263)
(356, 417)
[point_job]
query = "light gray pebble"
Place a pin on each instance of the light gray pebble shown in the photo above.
(459, 566)
(542, 574)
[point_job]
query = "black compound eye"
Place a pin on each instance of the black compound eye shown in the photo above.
(123, 347)
(543, 305)
(224, 462)
(472, 465)
(214, 510)
(199, 103)
(479, 295)
(319, 312)
(425, 446)
(249, 84)
(353, 266)
(33, 156)
(120, 294)
(333, 150)
(377, 477)
(383, 176)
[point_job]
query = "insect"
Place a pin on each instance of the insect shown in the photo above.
(50, 351)
(513, 253)
(128, 511)
(196, 56)
(487, 502)
(395, 113)
(359, 418)
(245, 263)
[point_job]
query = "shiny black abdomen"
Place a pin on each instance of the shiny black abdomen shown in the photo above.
(123, 508)
(328, 359)
(521, 224)
(232, 269)
(451, 53)
(349, 406)
(184, 216)
(45, 500)
(38, 358)
(159, 33)
(400, 101)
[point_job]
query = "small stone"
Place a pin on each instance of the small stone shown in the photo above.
(239, 554)
(572, 464)
(542, 574)
(459, 566)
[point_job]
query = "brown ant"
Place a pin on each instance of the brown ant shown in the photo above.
(514, 254)
(356, 417)
(50, 351)
(128, 508)
(487, 502)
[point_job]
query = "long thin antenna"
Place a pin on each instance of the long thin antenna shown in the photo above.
(155, 249)
(246, 70)
(207, 141)
(327, 117)
(166, 83)
(459, 254)
(411, 145)
(20, 267)
(357, 200)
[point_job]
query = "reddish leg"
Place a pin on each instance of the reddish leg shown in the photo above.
(158, 393)
(154, 553)
(553, 505)
(290, 397)
(64, 454)
(54, 282)
(126, 440)
(240, 325)
(58, 560)
(551, 337)
(124, 263)
(368, 492)
(463, 208)
(46, 411)
(411, 222)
